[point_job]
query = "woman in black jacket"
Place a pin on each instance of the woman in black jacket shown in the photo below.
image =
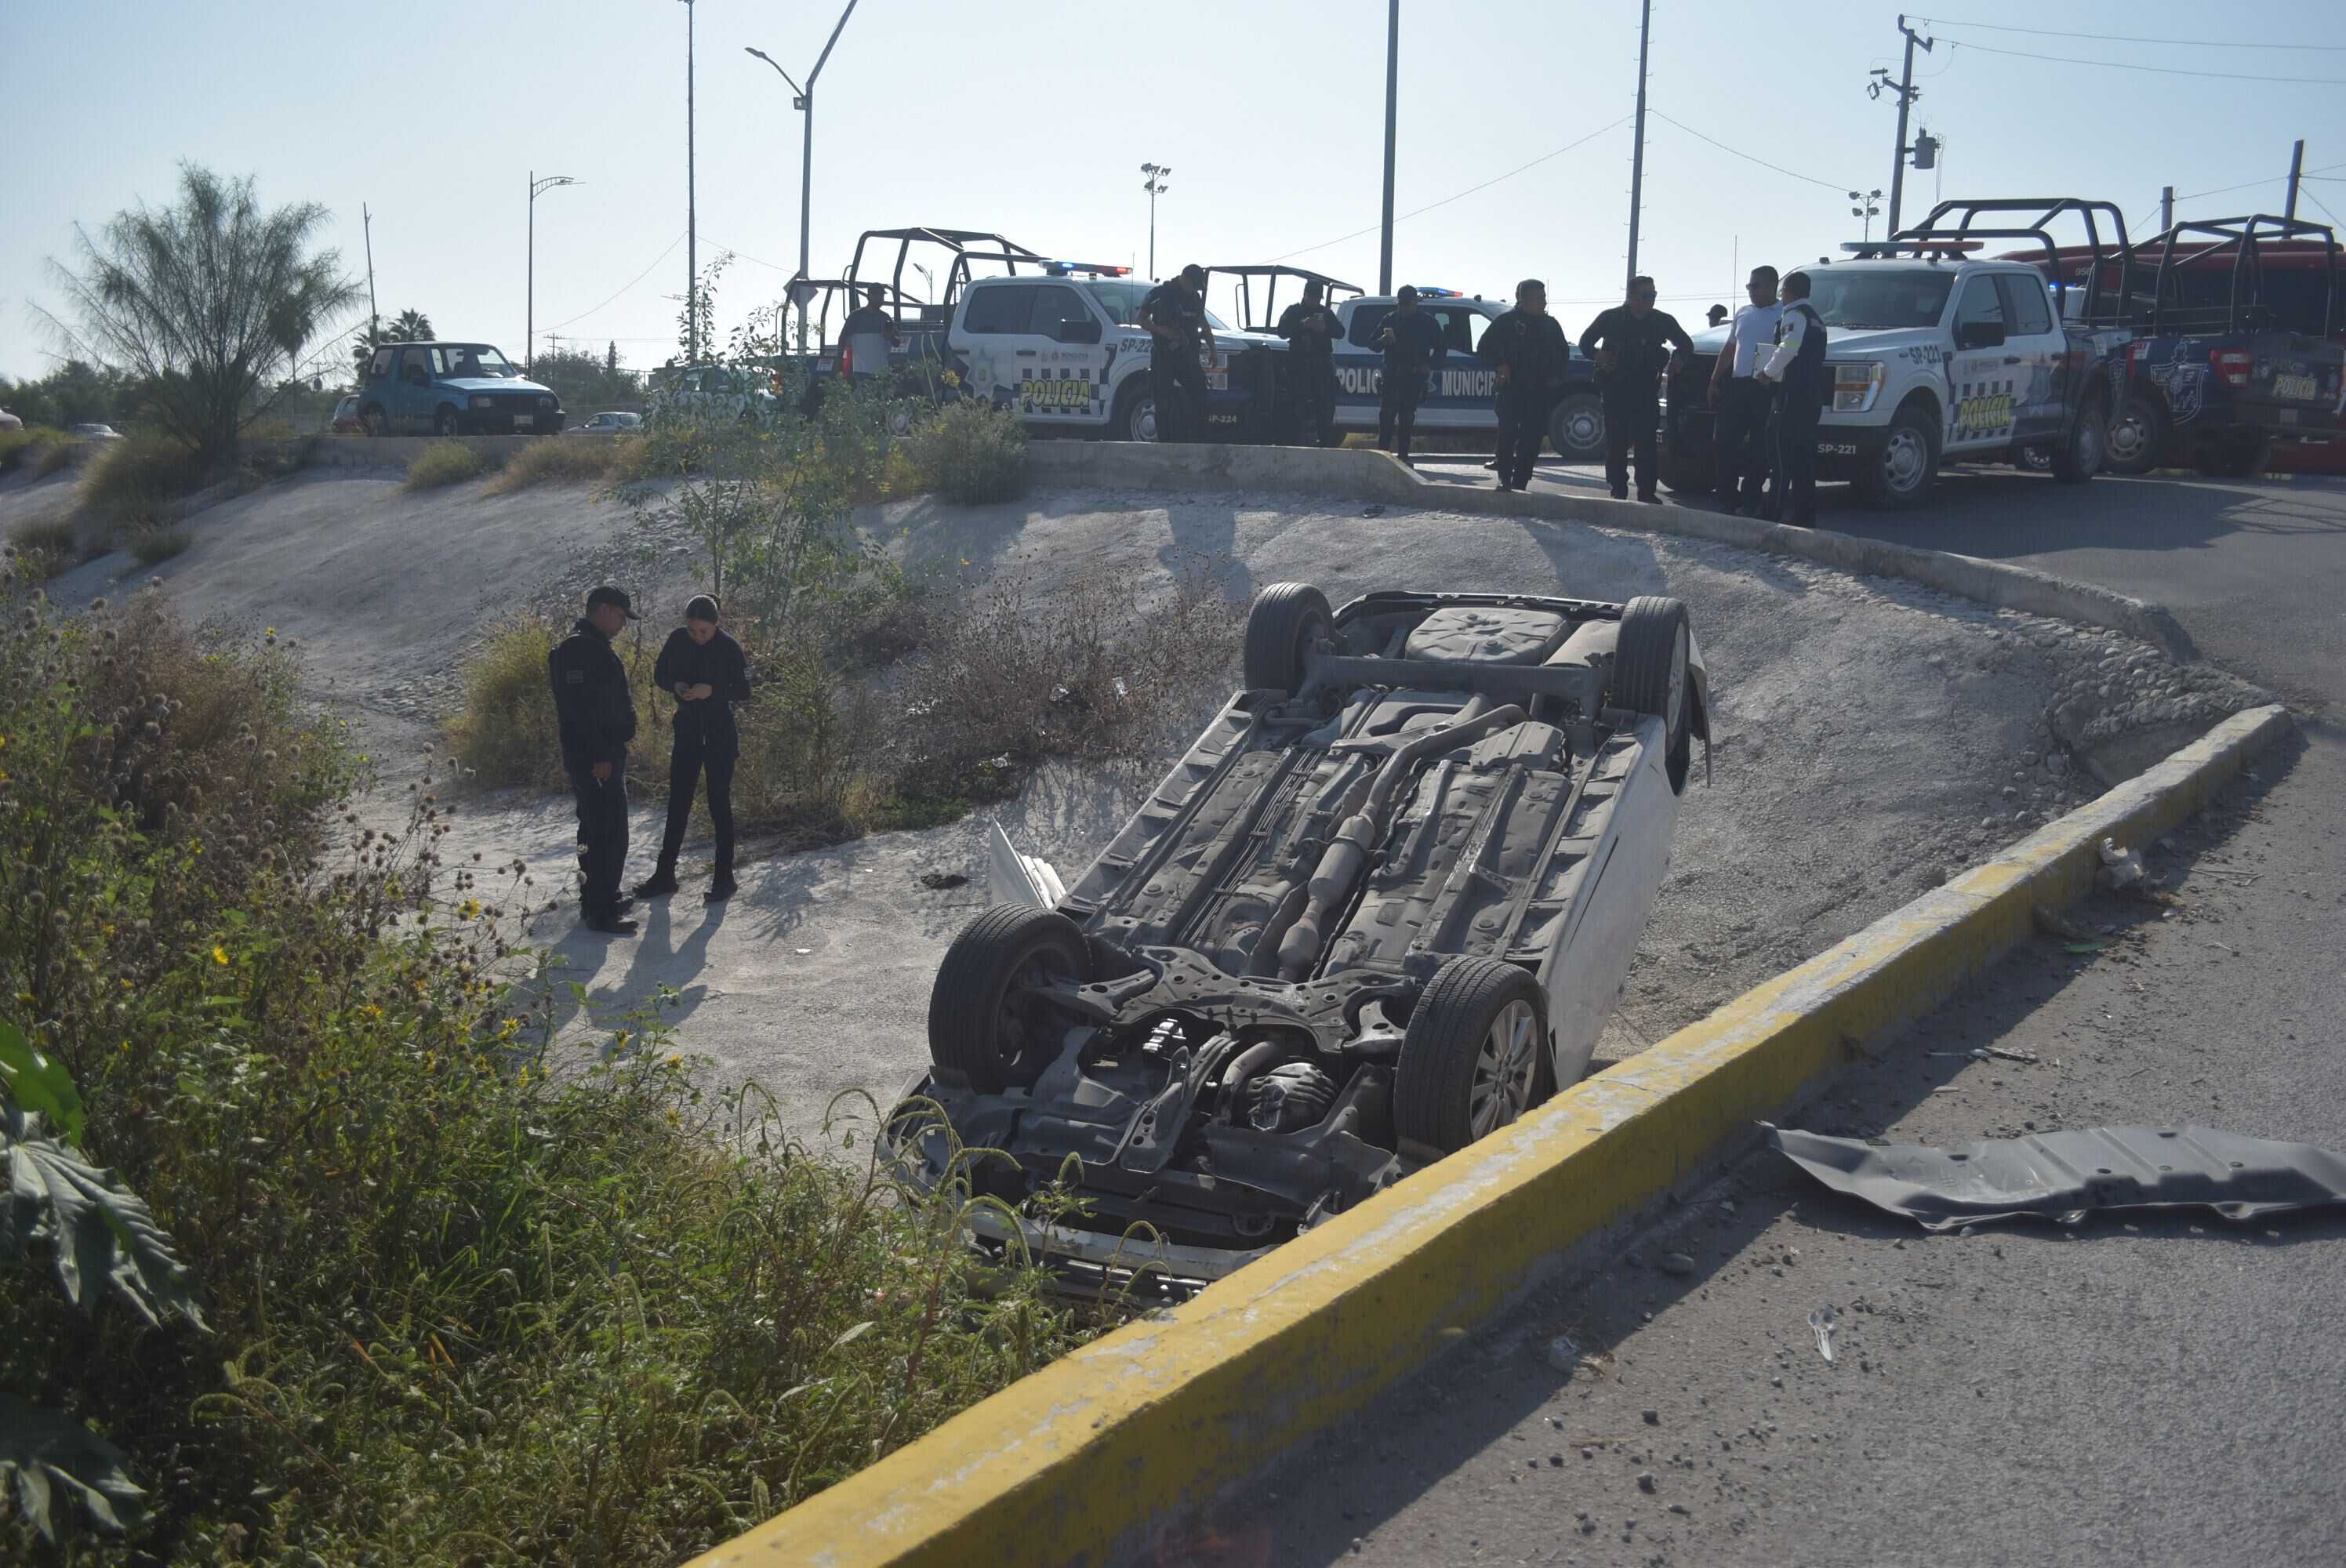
(703, 668)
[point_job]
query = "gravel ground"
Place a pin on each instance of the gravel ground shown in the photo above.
(1872, 738)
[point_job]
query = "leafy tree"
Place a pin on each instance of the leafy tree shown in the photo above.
(411, 327)
(208, 302)
(586, 381)
(76, 392)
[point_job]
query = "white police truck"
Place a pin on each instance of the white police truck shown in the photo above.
(1464, 394)
(1935, 357)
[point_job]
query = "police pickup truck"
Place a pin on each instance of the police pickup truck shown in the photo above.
(1935, 357)
(1464, 394)
(1066, 351)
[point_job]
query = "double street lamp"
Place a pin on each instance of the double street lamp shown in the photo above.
(1866, 207)
(537, 188)
(802, 99)
(1155, 187)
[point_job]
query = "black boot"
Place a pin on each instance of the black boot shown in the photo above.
(722, 887)
(660, 884)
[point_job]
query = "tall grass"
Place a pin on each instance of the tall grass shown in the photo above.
(469, 1298)
(134, 481)
(445, 462)
(558, 460)
(36, 448)
(39, 551)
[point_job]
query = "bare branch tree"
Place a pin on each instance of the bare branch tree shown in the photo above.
(209, 302)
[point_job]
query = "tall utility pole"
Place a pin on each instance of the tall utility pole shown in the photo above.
(2166, 209)
(691, 210)
(537, 188)
(1393, 97)
(1907, 93)
(2296, 170)
(803, 99)
(1155, 187)
(1638, 147)
(374, 319)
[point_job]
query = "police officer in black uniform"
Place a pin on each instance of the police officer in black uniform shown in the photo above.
(1310, 329)
(1795, 370)
(1175, 314)
(1413, 348)
(597, 719)
(705, 670)
(1636, 341)
(1528, 351)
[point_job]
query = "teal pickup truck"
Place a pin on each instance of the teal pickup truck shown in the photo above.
(452, 388)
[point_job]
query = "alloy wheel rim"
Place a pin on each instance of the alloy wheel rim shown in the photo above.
(1503, 1064)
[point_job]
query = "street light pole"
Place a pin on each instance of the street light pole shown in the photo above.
(803, 99)
(691, 209)
(1866, 208)
(1155, 187)
(537, 188)
(1393, 92)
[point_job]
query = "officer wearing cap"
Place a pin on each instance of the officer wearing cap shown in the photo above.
(1175, 315)
(597, 719)
(1413, 348)
(1636, 339)
(1743, 400)
(1309, 328)
(1527, 349)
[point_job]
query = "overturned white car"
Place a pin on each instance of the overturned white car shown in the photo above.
(1382, 906)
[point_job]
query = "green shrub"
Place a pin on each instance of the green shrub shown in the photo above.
(445, 462)
(45, 549)
(972, 454)
(466, 1297)
(37, 448)
(558, 460)
(506, 734)
(153, 547)
(132, 484)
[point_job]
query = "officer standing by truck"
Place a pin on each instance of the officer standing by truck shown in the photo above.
(1527, 348)
(867, 335)
(597, 716)
(1796, 371)
(1744, 402)
(1310, 329)
(1175, 314)
(1631, 343)
(1413, 348)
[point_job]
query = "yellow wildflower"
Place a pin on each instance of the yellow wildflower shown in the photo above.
(220, 955)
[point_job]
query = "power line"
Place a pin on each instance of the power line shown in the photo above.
(1470, 191)
(1763, 163)
(2126, 38)
(2159, 71)
(623, 288)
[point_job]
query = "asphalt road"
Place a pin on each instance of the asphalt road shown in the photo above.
(2151, 1390)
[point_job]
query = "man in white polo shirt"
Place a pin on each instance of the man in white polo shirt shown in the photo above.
(1742, 401)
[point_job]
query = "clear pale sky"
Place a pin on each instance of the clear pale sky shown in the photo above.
(1032, 116)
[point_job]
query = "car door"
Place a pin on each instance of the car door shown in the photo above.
(1466, 390)
(410, 406)
(993, 321)
(1361, 364)
(1062, 366)
(1982, 373)
(2037, 353)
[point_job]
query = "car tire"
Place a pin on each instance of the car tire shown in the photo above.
(443, 421)
(1471, 1057)
(2077, 456)
(984, 1024)
(1652, 672)
(1286, 620)
(1576, 428)
(2137, 435)
(1136, 416)
(1900, 478)
(374, 421)
(2233, 457)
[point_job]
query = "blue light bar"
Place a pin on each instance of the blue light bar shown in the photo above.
(1097, 269)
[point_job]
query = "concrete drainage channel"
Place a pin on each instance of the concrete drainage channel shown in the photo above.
(1081, 1461)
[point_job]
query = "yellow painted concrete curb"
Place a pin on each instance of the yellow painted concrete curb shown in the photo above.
(1077, 1463)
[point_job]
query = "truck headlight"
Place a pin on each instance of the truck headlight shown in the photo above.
(481, 403)
(1855, 386)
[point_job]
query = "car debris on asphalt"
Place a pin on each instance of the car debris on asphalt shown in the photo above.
(2065, 1176)
(1821, 1323)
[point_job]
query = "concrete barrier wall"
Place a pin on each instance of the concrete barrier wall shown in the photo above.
(371, 452)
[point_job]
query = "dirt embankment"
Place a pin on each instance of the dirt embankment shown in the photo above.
(1872, 738)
